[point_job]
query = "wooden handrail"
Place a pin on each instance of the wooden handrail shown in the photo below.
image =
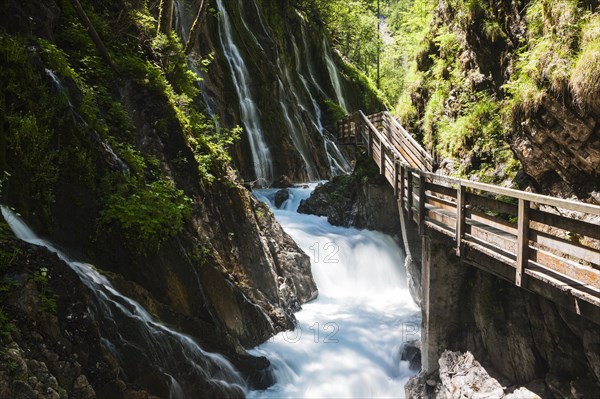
(461, 209)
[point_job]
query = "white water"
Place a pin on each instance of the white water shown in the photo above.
(261, 156)
(183, 19)
(347, 341)
(334, 75)
(337, 161)
(134, 331)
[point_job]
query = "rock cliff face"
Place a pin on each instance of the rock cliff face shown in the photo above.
(363, 200)
(520, 74)
(519, 337)
(115, 164)
(279, 77)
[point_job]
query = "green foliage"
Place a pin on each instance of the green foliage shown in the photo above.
(46, 297)
(546, 61)
(353, 28)
(585, 77)
(146, 214)
(335, 110)
(172, 61)
(6, 327)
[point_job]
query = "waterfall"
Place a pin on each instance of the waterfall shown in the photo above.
(261, 156)
(337, 161)
(334, 75)
(183, 19)
(133, 335)
(347, 341)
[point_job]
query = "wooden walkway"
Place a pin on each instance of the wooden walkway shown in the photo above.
(547, 245)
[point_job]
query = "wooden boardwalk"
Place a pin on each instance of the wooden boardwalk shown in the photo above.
(547, 245)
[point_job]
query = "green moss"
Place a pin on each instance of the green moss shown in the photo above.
(146, 214)
(585, 77)
(371, 98)
(547, 59)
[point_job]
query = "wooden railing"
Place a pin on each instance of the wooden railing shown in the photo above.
(536, 238)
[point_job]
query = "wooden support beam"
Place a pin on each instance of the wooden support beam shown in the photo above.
(422, 202)
(522, 240)
(382, 159)
(357, 128)
(460, 217)
(409, 193)
(370, 139)
(396, 171)
(402, 186)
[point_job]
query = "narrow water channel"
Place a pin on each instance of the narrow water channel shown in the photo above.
(347, 342)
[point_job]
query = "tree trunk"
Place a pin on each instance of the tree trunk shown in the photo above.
(85, 21)
(165, 17)
(194, 28)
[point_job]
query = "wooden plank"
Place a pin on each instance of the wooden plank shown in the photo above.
(409, 193)
(436, 188)
(442, 203)
(446, 218)
(522, 240)
(491, 221)
(527, 196)
(565, 223)
(402, 186)
(501, 240)
(573, 270)
(422, 202)
(396, 172)
(382, 162)
(487, 203)
(566, 247)
(460, 218)
(370, 141)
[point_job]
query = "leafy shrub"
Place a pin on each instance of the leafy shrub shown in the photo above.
(147, 215)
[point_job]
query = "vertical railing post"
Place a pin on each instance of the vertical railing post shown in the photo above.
(370, 140)
(409, 193)
(460, 217)
(522, 240)
(382, 159)
(402, 186)
(396, 170)
(357, 128)
(422, 202)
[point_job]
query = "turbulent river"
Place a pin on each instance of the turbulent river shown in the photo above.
(347, 342)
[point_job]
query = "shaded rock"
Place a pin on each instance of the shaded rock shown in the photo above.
(282, 182)
(280, 197)
(422, 386)
(411, 352)
(362, 200)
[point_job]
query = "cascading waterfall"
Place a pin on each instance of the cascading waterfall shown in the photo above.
(128, 328)
(183, 19)
(334, 75)
(261, 156)
(347, 342)
(249, 113)
(337, 161)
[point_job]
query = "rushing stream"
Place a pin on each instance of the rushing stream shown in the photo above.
(130, 332)
(347, 342)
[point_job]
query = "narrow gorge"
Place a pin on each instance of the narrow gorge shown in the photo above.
(185, 213)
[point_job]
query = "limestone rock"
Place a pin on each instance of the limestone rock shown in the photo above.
(463, 377)
(522, 393)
